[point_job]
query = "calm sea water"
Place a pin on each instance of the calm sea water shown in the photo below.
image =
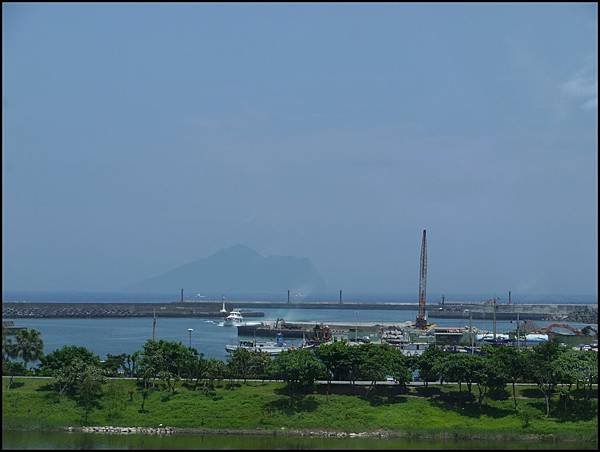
(209, 336)
(89, 441)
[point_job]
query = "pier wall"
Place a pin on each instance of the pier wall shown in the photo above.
(114, 310)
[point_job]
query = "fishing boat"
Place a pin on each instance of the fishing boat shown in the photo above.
(234, 318)
(270, 348)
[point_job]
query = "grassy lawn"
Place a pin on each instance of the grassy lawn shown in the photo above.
(266, 406)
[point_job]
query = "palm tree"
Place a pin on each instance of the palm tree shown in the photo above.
(8, 348)
(29, 345)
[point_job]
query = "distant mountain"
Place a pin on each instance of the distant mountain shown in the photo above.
(238, 269)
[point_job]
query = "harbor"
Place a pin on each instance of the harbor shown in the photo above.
(584, 313)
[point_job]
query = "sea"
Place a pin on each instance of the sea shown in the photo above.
(209, 336)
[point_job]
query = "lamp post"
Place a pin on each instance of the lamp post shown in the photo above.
(190, 331)
(356, 329)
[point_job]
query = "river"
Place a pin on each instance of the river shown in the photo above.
(90, 441)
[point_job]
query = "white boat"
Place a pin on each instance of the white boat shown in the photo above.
(534, 338)
(270, 348)
(234, 318)
(489, 337)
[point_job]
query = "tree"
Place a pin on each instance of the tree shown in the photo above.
(29, 346)
(168, 361)
(215, 370)
(509, 362)
(197, 369)
(587, 371)
(63, 357)
(430, 364)
(66, 379)
(9, 350)
(113, 363)
(298, 368)
(542, 367)
(130, 364)
(259, 364)
(239, 364)
(380, 361)
(337, 359)
(453, 368)
(89, 388)
(486, 375)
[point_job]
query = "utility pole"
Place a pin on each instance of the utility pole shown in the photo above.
(494, 306)
(182, 295)
(154, 325)
(340, 296)
(288, 296)
(518, 339)
(421, 321)
(509, 297)
(471, 331)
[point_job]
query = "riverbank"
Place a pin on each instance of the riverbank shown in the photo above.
(266, 409)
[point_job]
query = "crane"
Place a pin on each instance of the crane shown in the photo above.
(421, 321)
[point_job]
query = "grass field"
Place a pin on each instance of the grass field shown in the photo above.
(32, 405)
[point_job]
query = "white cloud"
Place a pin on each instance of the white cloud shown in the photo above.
(582, 87)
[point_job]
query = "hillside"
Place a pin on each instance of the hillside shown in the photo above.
(238, 269)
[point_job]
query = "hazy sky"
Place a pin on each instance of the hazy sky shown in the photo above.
(137, 138)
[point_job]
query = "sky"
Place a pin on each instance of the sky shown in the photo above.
(140, 137)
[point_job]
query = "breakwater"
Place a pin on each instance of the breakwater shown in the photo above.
(585, 313)
(114, 310)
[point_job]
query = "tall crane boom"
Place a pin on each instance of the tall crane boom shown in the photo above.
(421, 321)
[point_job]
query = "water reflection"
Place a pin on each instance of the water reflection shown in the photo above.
(91, 441)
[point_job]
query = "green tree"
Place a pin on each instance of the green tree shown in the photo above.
(337, 359)
(379, 361)
(64, 356)
(9, 350)
(430, 364)
(587, 371)
(29, 345)
(130, 364)
(215, 370)
(259, 364)
(510, 364)
(486, 375)
(66, 379)
(298, 368)
(113, 364)
(240, 361)
(543, 368)
(89, 389)
(167, 361)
